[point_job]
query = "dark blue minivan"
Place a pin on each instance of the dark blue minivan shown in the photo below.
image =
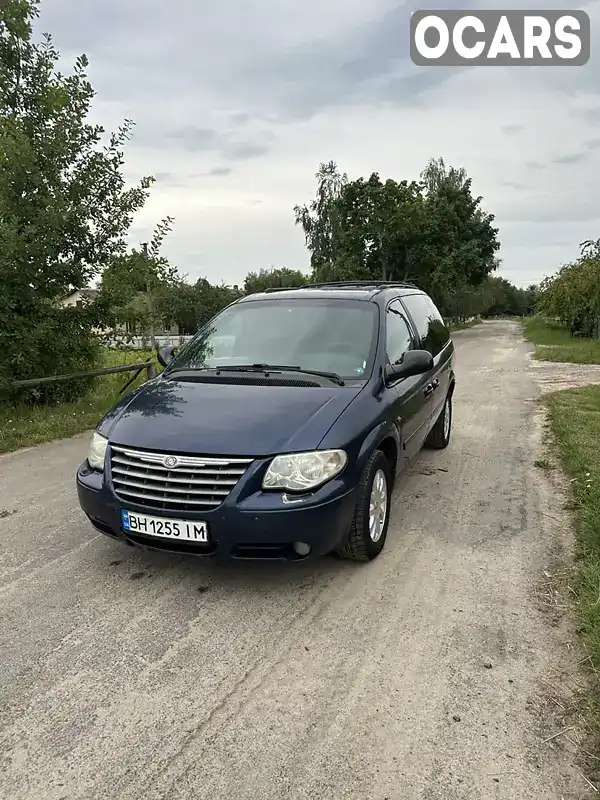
(277, 432)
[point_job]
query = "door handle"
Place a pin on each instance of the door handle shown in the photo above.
(429, 389)
(435, 383)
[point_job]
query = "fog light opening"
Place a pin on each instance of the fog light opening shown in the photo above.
(301, 548)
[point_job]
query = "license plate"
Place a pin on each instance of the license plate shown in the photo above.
(180, 529)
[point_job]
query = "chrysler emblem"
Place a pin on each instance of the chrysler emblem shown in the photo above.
(170, 462)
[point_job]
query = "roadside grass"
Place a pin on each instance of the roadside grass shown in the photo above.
(553, 342)
(25, 425)
(575, 423)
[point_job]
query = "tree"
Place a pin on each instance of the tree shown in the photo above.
(436, 174)
(572, 296)
(142, 269)
(433, 233)
(320, 221)
(459, 242)
(273, 278)
(378, 226)
(495, 296)
(212, 299)
(134, 284)
(192, 306)
(177, 304)
(64, 206)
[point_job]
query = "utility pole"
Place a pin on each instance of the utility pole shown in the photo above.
(149, 296)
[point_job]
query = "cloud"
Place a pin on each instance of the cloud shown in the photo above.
(240, 152)
(192, 139)
(237, 104)
(510, 130)
(570, 158)
(219, 172)
(515, 185)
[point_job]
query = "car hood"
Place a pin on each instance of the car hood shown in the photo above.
(222, 419)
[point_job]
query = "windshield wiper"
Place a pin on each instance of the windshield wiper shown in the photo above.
(332, 376)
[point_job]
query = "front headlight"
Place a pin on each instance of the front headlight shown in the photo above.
(97, 451)
(300, 472)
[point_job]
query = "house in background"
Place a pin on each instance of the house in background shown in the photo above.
(79, 296)
(82, 297)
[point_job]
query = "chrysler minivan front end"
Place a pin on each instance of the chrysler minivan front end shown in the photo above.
(221, 454)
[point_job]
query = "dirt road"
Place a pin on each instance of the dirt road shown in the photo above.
(127, 675)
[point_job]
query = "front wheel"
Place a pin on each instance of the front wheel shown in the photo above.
(439, 436)
(368, 532)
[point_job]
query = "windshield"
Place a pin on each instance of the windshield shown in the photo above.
(327, 335)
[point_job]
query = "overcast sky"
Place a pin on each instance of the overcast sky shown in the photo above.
(237, 103)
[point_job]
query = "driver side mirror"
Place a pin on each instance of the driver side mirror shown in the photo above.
(165, 355)
(414, 362)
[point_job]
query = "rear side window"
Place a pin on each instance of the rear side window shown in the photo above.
(398, 335)
(429, 322)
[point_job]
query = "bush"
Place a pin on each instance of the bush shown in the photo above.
(62, 344)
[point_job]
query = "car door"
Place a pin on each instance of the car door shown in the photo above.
(434, 336)
(408, 398)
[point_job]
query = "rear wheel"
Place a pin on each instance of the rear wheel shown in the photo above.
(439, 436)
(368, 532)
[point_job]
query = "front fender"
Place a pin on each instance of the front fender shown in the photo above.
(374, 438)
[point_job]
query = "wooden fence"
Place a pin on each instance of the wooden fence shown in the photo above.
(148, 366)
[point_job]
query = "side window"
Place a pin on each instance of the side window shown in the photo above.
(429, 322)
(398, 335)
(439, 335)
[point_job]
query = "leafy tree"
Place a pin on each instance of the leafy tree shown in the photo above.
(191, 306)
(320, 220)
(379, 225)
(273, 278)
(572, 296)
(436, 174)
(140, 270)
(458, 244)
(495, 296)
(212, 299)
(177, 304)
(64, 206)
(134, 284)
(532, 294)
(433, 233)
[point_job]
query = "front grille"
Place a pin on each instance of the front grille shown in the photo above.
(193, 483)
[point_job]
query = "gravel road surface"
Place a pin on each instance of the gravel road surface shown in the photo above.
(422, 675)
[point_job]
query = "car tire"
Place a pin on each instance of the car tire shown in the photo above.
(439, 436)
(366, 538)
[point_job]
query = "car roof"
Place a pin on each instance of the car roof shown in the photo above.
(341, 290)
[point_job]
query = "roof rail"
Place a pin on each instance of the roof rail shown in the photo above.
(281, 289)
(361, 284)
(344, 285)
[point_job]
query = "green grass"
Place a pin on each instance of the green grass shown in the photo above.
(575, 421)
(26, 425)
(553, 342)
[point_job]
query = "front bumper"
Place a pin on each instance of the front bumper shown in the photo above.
(261, 527)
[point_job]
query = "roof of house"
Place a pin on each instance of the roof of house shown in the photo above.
(90, 294)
